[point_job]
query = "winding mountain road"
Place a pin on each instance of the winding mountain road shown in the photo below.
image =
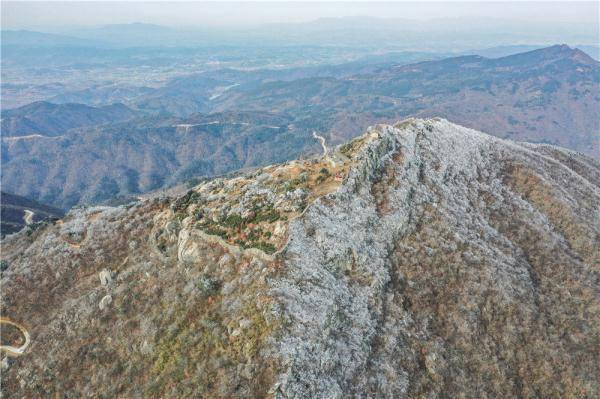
(28, 217)
(322, 140)
(324, 146)
(12, 350)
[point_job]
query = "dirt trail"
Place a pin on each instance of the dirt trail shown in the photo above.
(324, 146)
(322, 140)
(28, 217)
(12, 350)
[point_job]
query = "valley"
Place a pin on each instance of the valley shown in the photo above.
(181, 131)
(18, 212)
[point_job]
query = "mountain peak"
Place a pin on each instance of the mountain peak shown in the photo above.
(422, 243)
(141, 26)
(565, 50)
(558, 52)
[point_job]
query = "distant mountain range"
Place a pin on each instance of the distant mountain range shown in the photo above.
(434, 35)
(215, 122)
(548, 95)
(91, 165)
(28, 38)
(504, 51)
(17, 212)
(47, 119)
(102, 36)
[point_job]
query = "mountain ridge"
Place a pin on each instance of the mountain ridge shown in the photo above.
(420, 259)
(49, 119)
(534, 96)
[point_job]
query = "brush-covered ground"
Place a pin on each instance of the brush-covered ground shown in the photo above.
(422, 259)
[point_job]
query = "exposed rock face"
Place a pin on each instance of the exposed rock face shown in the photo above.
(430, 261)
(452, 264)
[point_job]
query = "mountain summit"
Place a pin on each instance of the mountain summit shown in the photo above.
(564, 51)
(422, 259)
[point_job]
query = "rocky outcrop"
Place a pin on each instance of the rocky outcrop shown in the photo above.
(422, 259)
(443, 268)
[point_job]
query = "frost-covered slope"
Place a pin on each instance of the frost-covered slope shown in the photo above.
(422, 259)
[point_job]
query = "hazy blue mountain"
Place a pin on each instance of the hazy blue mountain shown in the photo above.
(441, 34)
(47, 119)
(438, 34)
(26, 38)
(504, 51)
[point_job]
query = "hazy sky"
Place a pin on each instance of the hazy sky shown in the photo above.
(54, 15)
